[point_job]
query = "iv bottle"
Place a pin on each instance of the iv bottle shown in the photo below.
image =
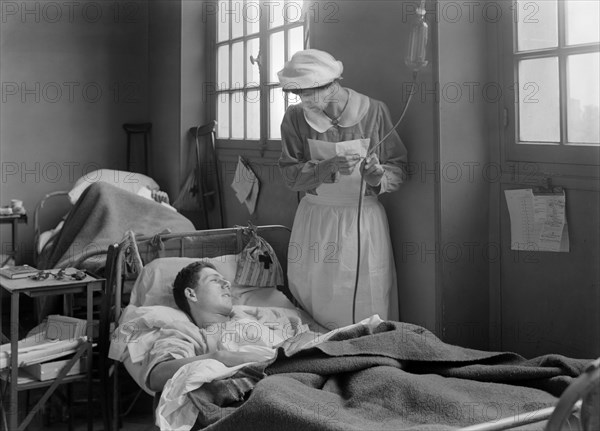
(417, 41)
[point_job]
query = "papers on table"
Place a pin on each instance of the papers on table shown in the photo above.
(34, 350)
(62, 336)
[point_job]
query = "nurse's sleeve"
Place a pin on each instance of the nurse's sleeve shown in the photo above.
(298, 172)
(392, 154)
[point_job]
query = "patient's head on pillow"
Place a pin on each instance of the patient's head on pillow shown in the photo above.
(203, 293)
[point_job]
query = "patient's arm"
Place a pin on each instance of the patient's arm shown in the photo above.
(165, 370)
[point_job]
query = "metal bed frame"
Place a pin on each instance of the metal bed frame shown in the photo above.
(126, 259)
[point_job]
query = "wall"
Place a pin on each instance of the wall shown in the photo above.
(550, 302)
(193, 76)
(165, 83)
(463, 245)
(177, 70)
(71, 74)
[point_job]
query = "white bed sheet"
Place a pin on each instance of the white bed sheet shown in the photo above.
(122, 350)
(175, 410)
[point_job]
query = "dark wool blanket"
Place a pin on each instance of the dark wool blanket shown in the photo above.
(395, 376)
(100, 217)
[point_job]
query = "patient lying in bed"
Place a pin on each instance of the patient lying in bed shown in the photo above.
(218, 364)
(232, 335)
(205, 342)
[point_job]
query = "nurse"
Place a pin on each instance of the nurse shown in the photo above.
(324, 143)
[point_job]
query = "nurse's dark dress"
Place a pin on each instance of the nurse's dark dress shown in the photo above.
(323, 245)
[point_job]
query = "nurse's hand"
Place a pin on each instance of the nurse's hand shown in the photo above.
(371, 170)
(345, 163)
(300, 341)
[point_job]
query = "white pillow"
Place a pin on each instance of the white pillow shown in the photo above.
(260, 297)
(130, 181)
(155, 283)
(154, 286)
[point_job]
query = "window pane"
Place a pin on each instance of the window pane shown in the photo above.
(582, 21)
(583, 115)
(222, 22)
(237, 20)
(253, 114)
(539, 112)
(237, 65)
(275, 11)
(223, 115)
(252, 72)
(295, 41)
(237, 115)
(292, 99)
(293, 11)
(276, 54)
(537, 24)
(223, 66)
(276, 111)
(252, 14)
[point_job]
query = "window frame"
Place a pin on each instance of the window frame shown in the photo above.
(547, 155)
(264, 143)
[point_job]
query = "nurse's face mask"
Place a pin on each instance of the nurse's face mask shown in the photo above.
(315, 98)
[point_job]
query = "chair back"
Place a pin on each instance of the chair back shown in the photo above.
(208, 176)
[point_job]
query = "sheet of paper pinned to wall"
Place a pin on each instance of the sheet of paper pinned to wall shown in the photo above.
(246, 185)
(538, 220)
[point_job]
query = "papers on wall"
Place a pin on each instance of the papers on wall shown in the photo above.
(246, 185)
(538, 220)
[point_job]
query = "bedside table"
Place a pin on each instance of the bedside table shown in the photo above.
(13, 219)
(33, 288)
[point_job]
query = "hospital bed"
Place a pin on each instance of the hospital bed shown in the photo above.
(439, 387)
(97, 210)
(138, 266)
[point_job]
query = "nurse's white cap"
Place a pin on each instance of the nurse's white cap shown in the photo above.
(310, 68)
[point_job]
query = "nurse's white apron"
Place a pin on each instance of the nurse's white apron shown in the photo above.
(323, 247)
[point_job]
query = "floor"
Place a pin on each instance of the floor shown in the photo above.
(137, 414)
(133, 422)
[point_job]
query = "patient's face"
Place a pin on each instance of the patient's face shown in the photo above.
(213, 292)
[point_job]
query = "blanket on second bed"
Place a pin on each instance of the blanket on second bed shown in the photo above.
(100, 217)
(394, 376)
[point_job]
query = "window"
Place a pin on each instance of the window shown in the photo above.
(552, 64)
(253, 39)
